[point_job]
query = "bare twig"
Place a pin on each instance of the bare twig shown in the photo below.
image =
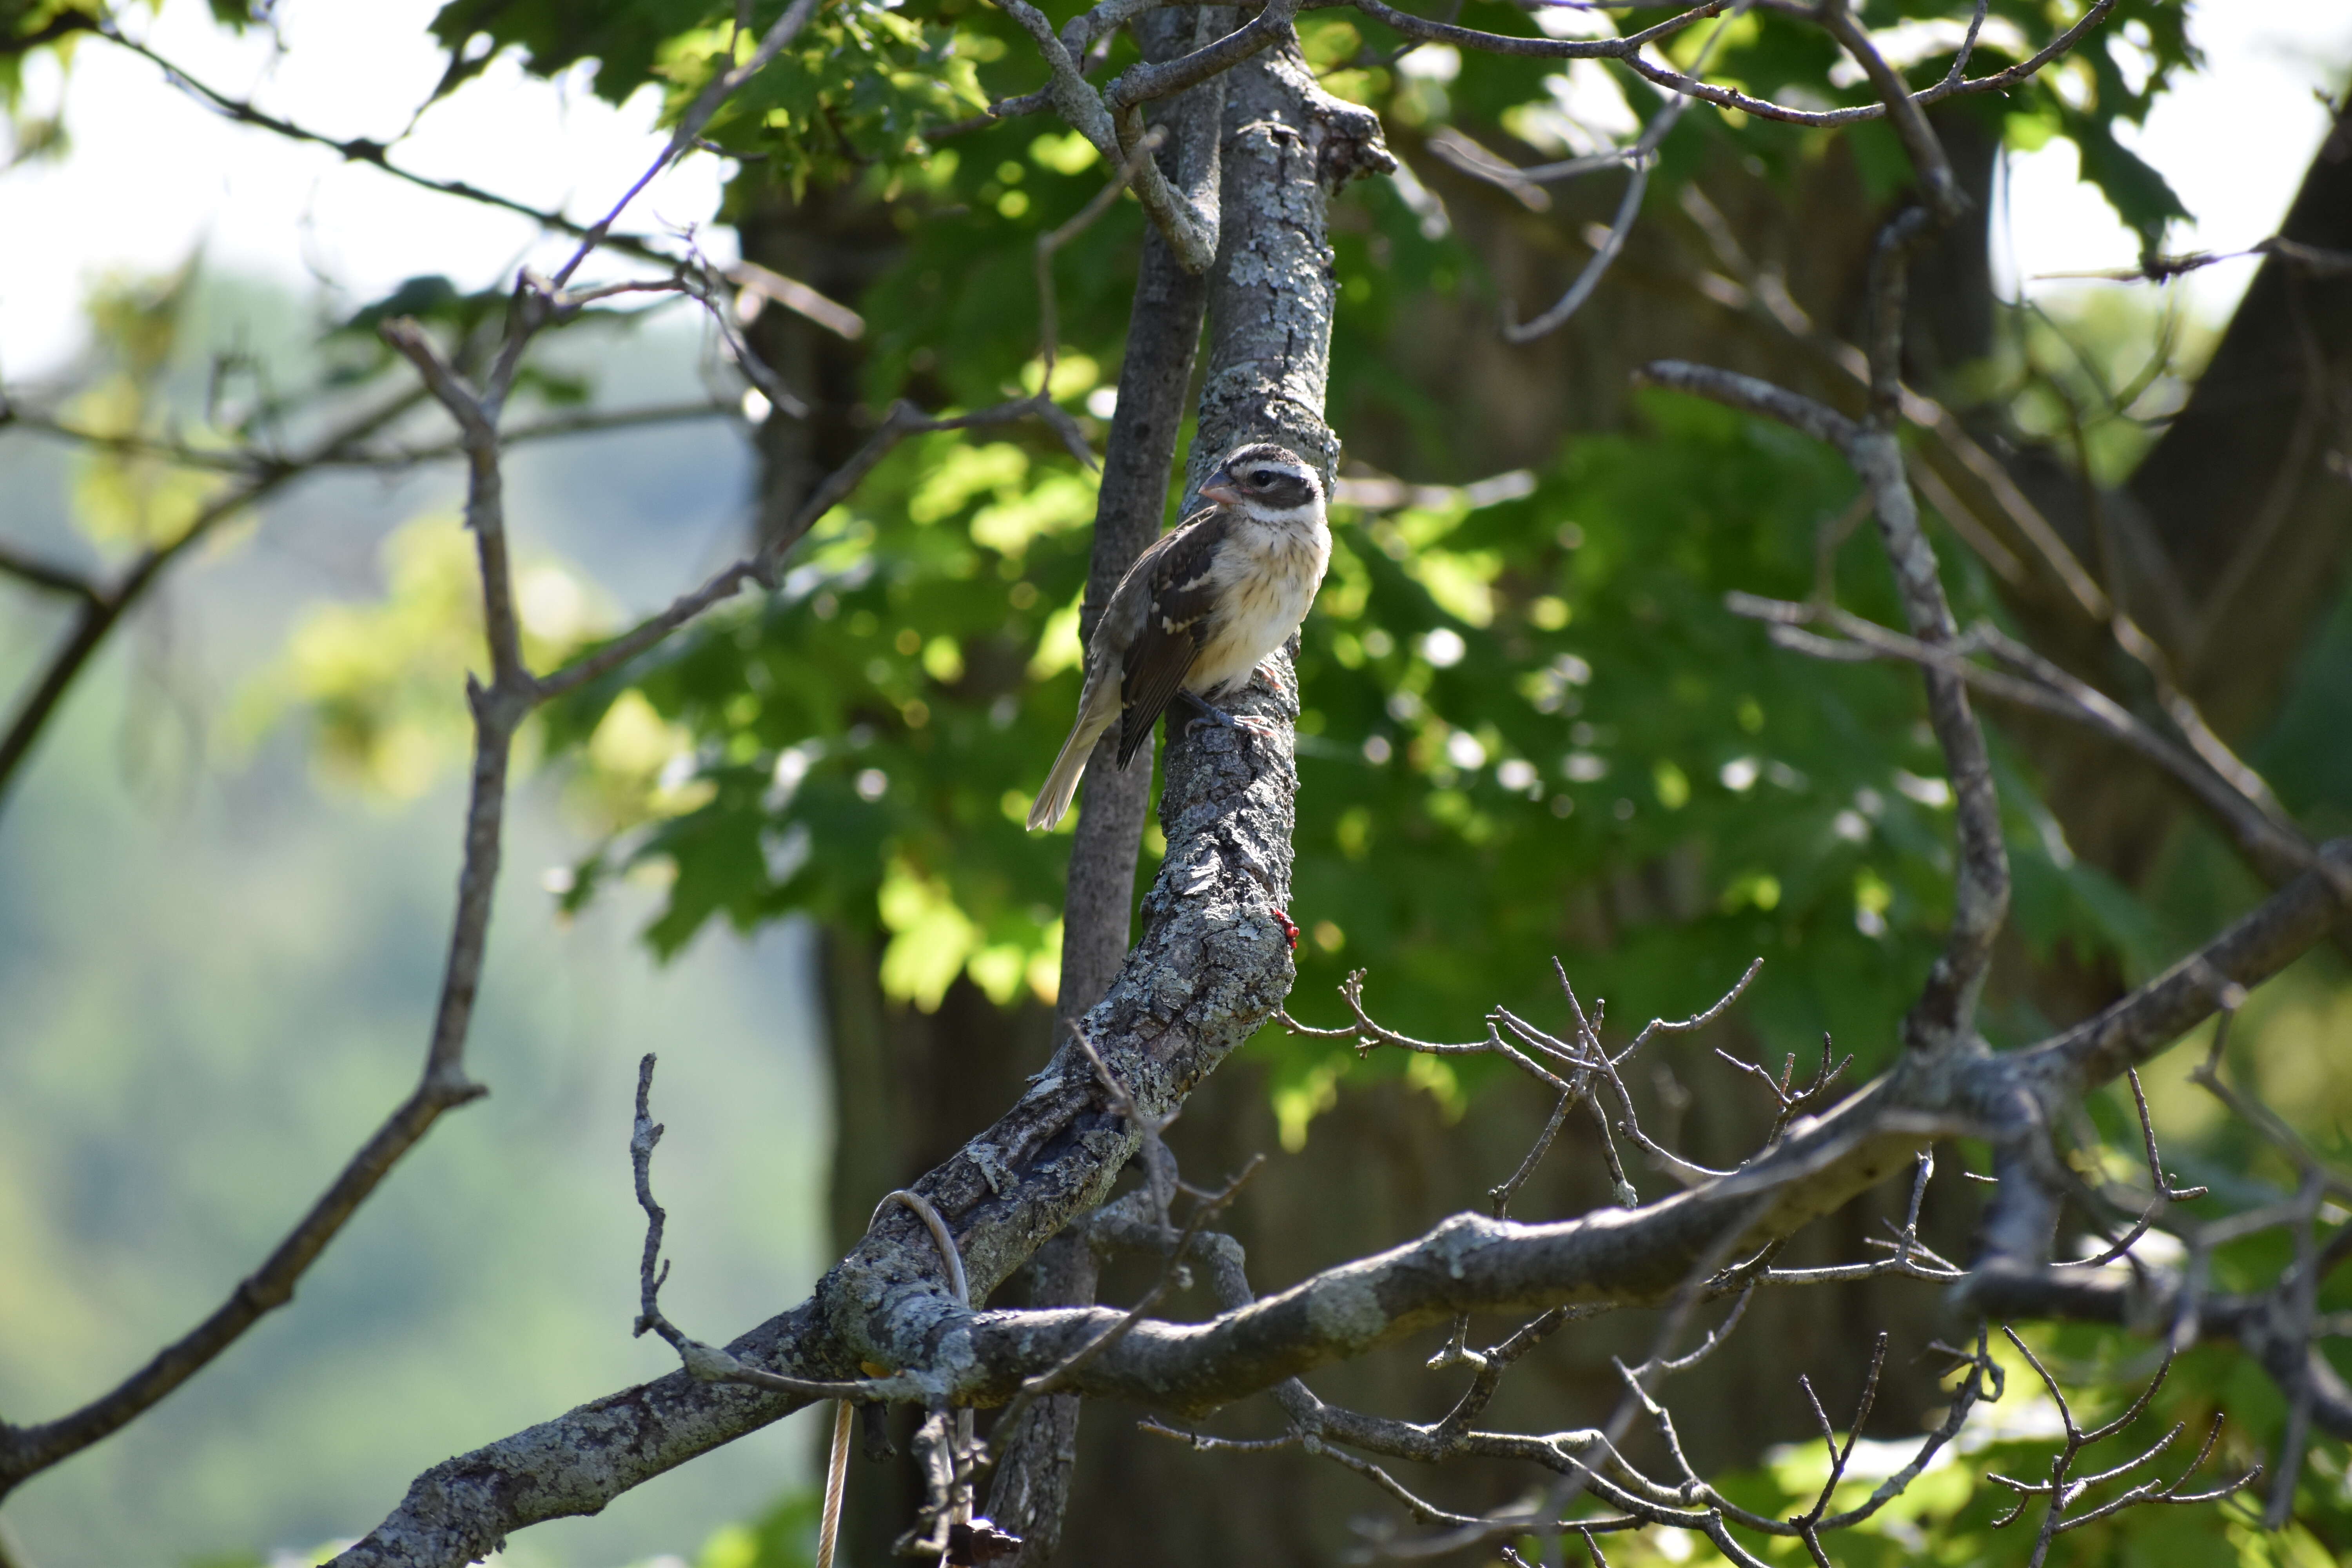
(1950, 86)
(46, 575)
(104, 609)
(443, 1084)
(1159, 1165)
(1945, 197)
(1640, 157)
(1944, 1011)
(2316, 260)
(1061, 1373)
(1190, 228)
(2063, 1488)
(707, 103)
(499, 709)
(790, 293)
(706, 1363)
(254, 461)
(2276, 849)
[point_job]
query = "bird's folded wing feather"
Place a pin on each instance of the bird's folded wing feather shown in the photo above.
(1175, 623)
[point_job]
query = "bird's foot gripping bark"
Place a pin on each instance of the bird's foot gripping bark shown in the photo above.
(1207, 712)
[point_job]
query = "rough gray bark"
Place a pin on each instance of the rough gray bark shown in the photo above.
(1031, 1487)
(1287, 144)
(1034, 1461)
(1164, 334)
(1211, 965)
(1213, 962)
(1642, 1256)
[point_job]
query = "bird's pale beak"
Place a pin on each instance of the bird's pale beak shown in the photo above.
(1220, 488)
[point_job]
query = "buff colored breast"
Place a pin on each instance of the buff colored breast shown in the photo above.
(1264, 587)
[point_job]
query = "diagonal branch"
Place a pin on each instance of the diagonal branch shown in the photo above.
(255, 460)
(1642, 156)
(2278, 850)
(25, 1451)
(1155, 381)
(1944, 1014)
(104, 608)
(1945, 197)
(1951, 85)
(1057, 1144)
(706, 103)
(46, 575)
(789, 292)
(499, 710)
(1189, 227)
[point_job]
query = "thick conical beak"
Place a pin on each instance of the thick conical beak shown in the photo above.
(1220, 488)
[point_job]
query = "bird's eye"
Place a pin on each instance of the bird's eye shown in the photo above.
(1263, 478)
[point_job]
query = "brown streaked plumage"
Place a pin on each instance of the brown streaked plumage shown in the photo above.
(1200, 609)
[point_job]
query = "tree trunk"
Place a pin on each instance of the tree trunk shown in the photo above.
(907, 1086)
(2240, 518)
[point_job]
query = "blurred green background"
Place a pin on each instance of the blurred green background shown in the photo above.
(218, 966)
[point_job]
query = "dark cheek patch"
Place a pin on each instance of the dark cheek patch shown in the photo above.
(1288, 491)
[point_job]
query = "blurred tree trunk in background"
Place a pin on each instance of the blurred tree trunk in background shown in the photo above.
(2235, 507)
(2240, 518)
(908, 1088)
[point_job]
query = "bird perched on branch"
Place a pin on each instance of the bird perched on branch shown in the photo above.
(1198, 611)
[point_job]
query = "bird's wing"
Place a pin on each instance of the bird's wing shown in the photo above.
(1175, 621)
(1131, 602)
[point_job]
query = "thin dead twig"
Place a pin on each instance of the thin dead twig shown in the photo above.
(706, 103)
(2274, 846)
(2063, 1488)
(1640, 157)
(706, 1363)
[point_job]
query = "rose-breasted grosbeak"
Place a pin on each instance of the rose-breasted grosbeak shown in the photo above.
(1198, 611)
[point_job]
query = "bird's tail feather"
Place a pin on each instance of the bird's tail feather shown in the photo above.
(1061, 783)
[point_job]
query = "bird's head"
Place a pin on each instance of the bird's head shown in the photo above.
(1271, 481)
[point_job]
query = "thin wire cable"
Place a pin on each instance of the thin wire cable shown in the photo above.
(836, 1464)
(836, 1479)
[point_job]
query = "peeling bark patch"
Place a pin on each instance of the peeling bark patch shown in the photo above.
(991, 1166)
(1451, 1242)
(1345, 1308)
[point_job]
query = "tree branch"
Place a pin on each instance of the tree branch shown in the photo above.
(792, 294)
(499, 709)
(1154, 380)
(1044, 1160)
(256, 461)
(104, 608)
(46, 575)
(1642, 156)
(1944, 1016)
(1190, 231)
(2275, 848)
(1949, 87)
